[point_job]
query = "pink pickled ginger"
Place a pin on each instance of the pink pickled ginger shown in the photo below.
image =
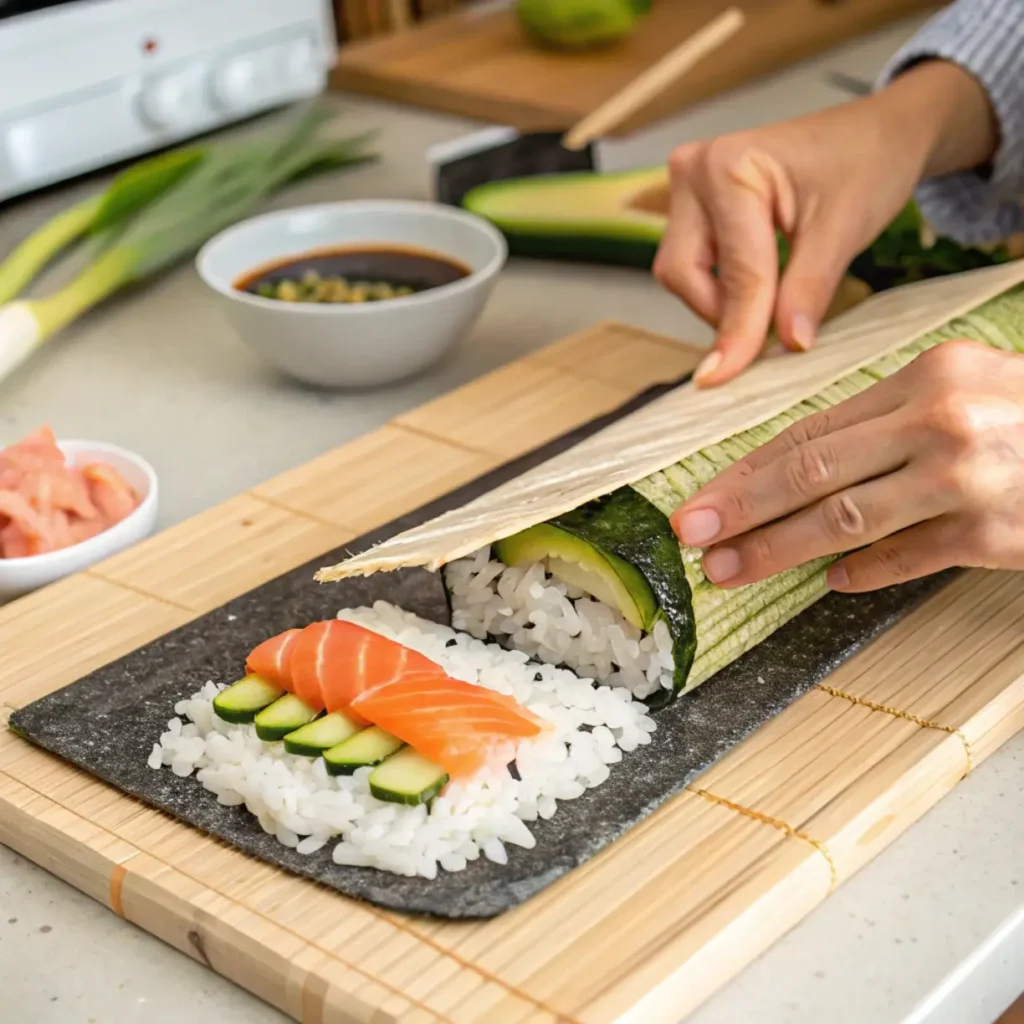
(47, 504)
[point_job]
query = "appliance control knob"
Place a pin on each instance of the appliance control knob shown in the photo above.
(301, 59)
(168, 103)
(234, 85)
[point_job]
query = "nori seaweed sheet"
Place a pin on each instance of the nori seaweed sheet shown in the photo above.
(107, 722)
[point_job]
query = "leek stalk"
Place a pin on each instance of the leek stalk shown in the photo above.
(219, 190)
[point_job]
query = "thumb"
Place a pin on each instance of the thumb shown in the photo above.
(817, 265)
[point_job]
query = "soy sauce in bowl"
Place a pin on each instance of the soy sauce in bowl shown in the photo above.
(353, 275)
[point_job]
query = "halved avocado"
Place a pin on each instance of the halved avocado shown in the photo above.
(573, 560)
(619, 217)
(598, 217)
(592, 216)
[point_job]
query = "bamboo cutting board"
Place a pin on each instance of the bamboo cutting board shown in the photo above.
(479, 64)
(644, 931)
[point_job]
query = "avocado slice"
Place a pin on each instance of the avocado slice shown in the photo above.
(579, 563)
(592, 216)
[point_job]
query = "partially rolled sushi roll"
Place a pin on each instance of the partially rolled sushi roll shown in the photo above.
(608, 591)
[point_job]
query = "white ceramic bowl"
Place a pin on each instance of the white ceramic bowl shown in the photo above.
(19, 576)
(355, 345)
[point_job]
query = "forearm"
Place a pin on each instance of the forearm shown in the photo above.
(943, 113)
(962, 80)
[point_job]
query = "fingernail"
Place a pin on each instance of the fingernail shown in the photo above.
(699, 527)
(722, 564)
(802, 332)
(707, 367)
(837, 577)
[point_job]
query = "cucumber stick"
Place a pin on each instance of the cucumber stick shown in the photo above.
(284, 716)
(321, 734)
(366, 749)
(344, 745)
(245, 699)
(407, 778)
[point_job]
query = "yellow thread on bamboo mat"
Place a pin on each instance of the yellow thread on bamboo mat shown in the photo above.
(907, 717)
(117, 877)
(767, 819)
(313, 1003)
(315, 989)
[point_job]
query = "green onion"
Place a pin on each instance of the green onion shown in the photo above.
(128, 193)
(222, 188)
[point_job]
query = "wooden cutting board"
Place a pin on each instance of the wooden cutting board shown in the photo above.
(479, 64)
(643, 932)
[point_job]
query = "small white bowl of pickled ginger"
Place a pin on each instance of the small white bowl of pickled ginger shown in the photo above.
(66, 505)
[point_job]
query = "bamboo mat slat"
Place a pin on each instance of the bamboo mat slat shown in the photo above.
(510, 412)
(216, 555)
(644, 931)
(57, 635)
(619, 355)
(375, 478)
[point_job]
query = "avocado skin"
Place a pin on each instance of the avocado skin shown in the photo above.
(594, 223)
(618, 252)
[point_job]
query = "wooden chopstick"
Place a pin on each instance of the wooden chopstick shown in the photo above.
(655, 80)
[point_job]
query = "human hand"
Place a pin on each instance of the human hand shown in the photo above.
(921, 472)
(830, 182)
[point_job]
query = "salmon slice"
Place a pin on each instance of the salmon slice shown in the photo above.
(336, 661)
(324, 665)
(459, 726)
(272, 659)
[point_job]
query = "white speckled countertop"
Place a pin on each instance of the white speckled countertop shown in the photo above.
(932, 931)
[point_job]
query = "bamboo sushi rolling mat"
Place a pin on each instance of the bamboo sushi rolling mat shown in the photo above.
(644, 931)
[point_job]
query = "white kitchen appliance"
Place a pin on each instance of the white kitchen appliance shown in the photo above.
(87, 83)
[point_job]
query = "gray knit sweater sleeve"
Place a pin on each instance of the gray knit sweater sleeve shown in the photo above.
(986, 39)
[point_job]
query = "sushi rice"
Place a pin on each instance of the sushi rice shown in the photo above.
(531, 611)
(295, 799)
